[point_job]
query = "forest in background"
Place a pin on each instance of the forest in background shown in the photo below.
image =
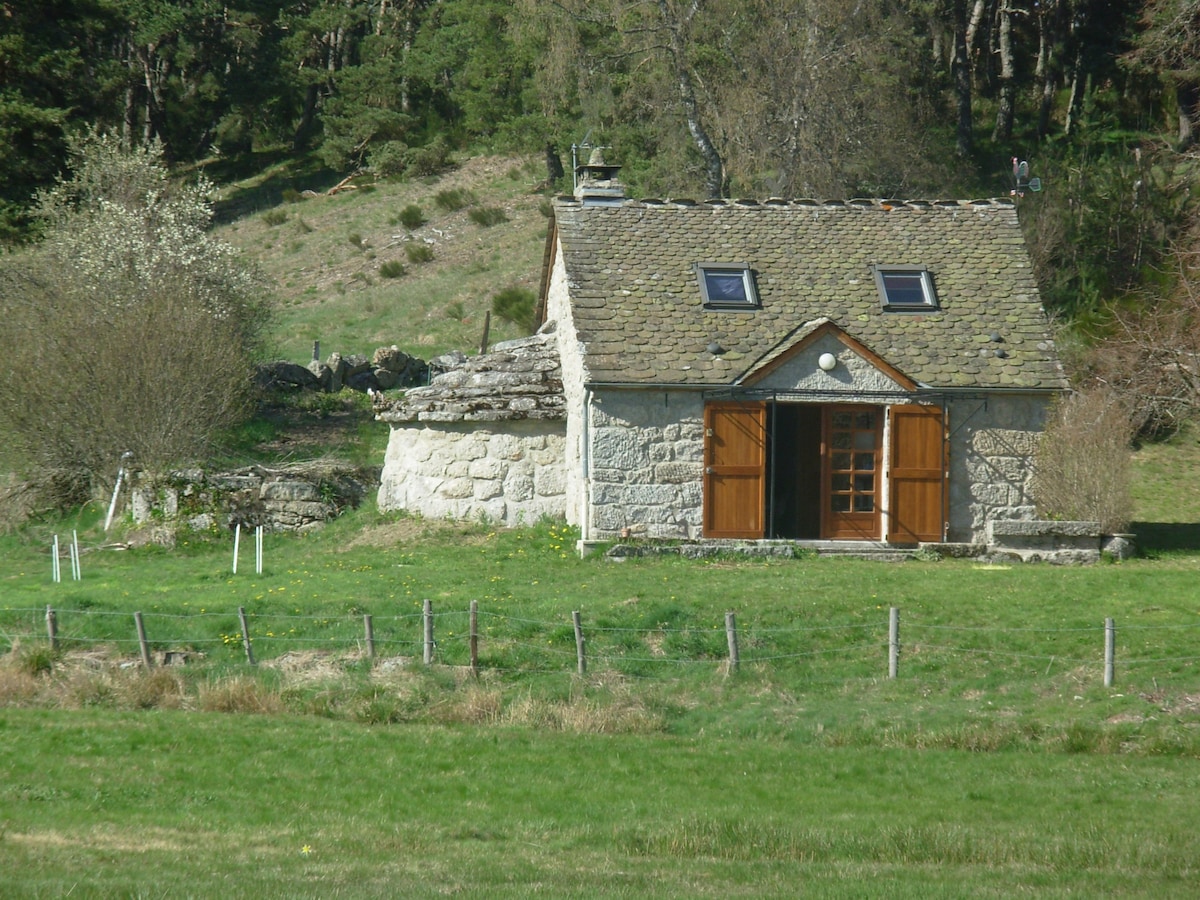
(810, 98)
(695, 98)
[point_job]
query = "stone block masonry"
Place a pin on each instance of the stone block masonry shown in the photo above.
(466, 470)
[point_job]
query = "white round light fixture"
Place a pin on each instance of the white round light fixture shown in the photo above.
(827, 362)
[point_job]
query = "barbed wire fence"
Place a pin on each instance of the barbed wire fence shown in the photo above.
(518, 644)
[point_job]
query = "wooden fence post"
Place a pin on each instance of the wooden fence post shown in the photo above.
(246, 635)
(52, 627)
(580, 652)
(735, 660)
(1110, 643)
(428, 616)
(143, 645)
(369, 631)
(893, 642)
(474, 638)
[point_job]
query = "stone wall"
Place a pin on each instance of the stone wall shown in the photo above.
(508, 473)
(991, 461)
(294, 498)
(646, 451)
(646, 464)
(386, 368)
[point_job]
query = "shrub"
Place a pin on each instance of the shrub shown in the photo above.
(516, 305)
(1082, 463)
(393, 268)
(388, 159)
(275, 217)
(291, 195)
(454, 199)
(356, 239)
(487, 216)
(428, 160)
(411, 217)
(418, 253)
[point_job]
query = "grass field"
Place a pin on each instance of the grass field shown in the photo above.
(996, 764)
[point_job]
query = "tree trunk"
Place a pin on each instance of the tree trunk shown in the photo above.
(1004, 109)
(1187, 96)
(961, 68)
(714, 166)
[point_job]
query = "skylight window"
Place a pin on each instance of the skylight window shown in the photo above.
(727, 285)
(906, 288)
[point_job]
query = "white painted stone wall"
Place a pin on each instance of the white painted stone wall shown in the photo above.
(509, 474)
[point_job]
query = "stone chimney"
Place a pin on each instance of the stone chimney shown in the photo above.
(596, 182)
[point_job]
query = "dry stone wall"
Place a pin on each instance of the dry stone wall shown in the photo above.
(296, 498)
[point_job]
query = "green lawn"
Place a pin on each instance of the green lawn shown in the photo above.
(98, 803)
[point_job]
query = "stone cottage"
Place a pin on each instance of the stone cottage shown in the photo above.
(863, 371)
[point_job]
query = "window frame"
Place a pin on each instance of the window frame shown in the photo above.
(929, 301)
(749, 290)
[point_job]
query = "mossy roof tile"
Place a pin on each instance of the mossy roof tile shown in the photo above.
(638, 309)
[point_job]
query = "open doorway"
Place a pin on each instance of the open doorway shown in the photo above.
(794, 471)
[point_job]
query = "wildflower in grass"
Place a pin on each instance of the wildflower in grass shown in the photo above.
(306, 850)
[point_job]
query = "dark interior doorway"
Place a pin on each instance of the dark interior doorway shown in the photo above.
(794, 471)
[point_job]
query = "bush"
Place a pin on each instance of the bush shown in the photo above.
(418, 253)
(164, 319)
(411, 217)
(1082, 463)
(516, 305)
(393, 268)
(487, 216)
(388, 159)
(428, 160)
(275, 217)
(454, 199)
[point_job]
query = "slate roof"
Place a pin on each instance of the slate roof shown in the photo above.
(638, 311)
(519, 379)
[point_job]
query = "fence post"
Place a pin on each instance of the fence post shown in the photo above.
(246, 635)
(580, 652)
(735, 660)
(147, 661)
(55, 563)
(369, 631)
(474, 638)
(237, 540)
(76, 566)
(52, 627)
(1110, 645)
(893, 642)
(428, 615)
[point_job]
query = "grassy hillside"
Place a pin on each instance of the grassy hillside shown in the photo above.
(332, 259)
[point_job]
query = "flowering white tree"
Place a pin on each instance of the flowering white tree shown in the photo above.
(128, 327)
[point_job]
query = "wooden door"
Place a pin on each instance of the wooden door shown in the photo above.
(734, 469)
(850, 472)
(917, 475)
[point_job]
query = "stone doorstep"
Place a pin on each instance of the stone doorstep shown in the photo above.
(698, 549)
